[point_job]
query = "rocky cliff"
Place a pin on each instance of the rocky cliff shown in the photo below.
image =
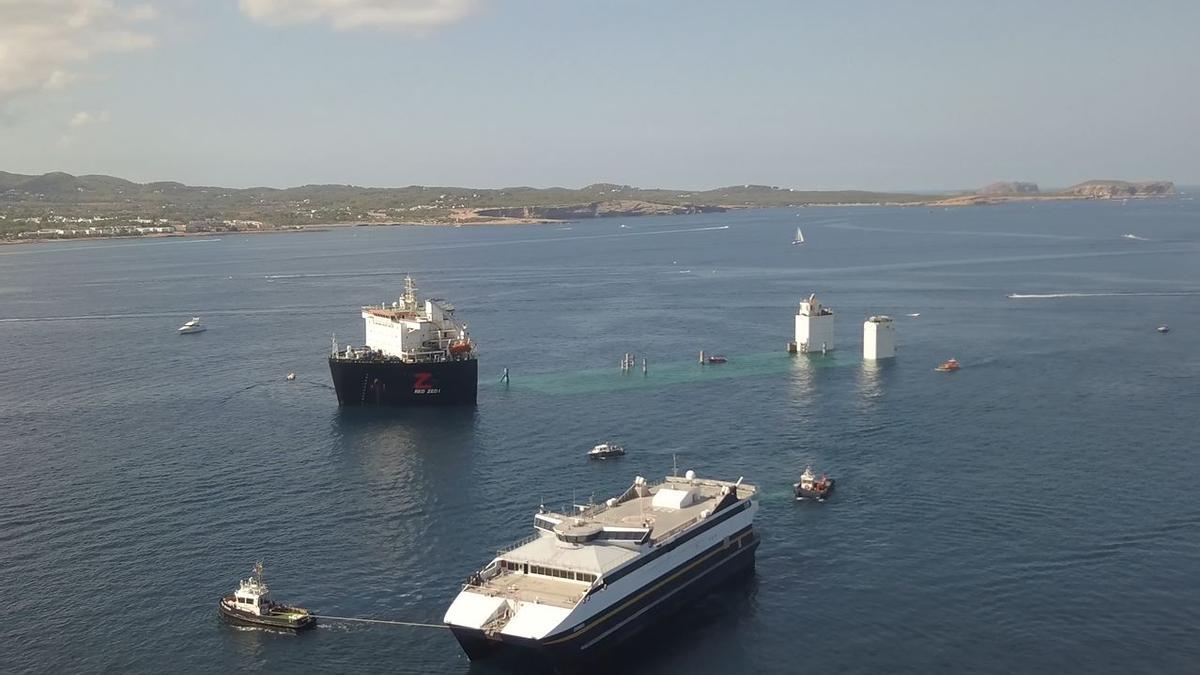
(1119, 189)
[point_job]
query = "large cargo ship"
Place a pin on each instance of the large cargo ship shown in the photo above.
(416, 353)
(590, 579)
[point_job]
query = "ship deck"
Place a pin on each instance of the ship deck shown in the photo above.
(664, 522)
(534, 588)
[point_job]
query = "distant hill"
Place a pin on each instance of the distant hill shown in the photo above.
(1110, 189)
(24, 198)
(1009, 188)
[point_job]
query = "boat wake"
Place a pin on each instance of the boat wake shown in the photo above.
(1048, 296)
(1129, 235)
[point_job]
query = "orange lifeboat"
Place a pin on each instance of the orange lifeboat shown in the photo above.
(460, 347)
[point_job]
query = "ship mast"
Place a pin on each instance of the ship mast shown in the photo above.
(410, 292)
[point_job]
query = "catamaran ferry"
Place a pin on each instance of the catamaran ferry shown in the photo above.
(587, 580)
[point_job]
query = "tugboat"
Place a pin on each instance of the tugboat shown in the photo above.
(251, 605)
(606, 450)
(811, 487)
(948, 366)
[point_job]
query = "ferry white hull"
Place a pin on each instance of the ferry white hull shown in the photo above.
(656, 585)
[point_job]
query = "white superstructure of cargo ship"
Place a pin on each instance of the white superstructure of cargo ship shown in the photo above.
(589, 579)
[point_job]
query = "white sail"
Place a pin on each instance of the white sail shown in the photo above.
(799, 237)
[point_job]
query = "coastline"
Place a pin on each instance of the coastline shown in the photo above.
(468, 217)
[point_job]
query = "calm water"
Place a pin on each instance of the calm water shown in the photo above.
(1035, 512)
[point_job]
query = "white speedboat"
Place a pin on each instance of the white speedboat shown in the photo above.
(606, 450)
(193, 326)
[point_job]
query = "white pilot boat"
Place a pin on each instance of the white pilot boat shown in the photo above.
(192, 326)
(606, 450)
(587, 580)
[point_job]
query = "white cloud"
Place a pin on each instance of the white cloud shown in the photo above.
(350, 14)
(84, 118)
(43, 41)
(78, 121)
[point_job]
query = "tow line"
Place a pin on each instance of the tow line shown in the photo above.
(385, 621)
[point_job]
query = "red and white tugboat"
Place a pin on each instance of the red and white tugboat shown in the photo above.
(811, 487)
(251, 605)
(948, 366)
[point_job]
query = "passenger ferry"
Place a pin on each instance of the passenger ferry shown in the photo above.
(587, 580)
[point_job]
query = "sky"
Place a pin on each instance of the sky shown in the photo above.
(655, 93)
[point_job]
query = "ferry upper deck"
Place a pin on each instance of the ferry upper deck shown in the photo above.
(570, 553)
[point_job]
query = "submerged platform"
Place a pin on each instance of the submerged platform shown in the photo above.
(671, 373)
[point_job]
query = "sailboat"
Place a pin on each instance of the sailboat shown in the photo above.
(799, 237)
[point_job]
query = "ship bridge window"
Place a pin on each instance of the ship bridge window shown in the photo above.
(623, 535)
(562, 574)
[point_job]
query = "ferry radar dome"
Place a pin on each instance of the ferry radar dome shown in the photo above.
(690, 475)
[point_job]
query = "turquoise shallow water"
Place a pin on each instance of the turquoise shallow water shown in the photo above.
(1034, 512)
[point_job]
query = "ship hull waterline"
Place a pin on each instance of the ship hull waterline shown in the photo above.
(269, 622)
(396, 383)
(570, 650)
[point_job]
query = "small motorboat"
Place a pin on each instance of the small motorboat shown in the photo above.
(948, 366)
(1164, 329)
(291, 376)
(811, 487)
(251, 605)
(717, 359)
(606, 450)
(193, 326)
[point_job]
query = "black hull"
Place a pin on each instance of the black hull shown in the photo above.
(394, 383)
(278, 623)
(578, 650)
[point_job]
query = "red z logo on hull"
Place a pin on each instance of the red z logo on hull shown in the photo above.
(423, 384)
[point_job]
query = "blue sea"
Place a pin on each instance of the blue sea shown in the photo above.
(1035, 512)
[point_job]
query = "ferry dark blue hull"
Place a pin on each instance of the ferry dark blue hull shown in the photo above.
(579, 649)
(389, 382)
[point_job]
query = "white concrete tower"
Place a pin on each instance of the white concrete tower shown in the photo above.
(814, 327)
(879, 338)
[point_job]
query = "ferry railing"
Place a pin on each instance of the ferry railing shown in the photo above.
(519, 544)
